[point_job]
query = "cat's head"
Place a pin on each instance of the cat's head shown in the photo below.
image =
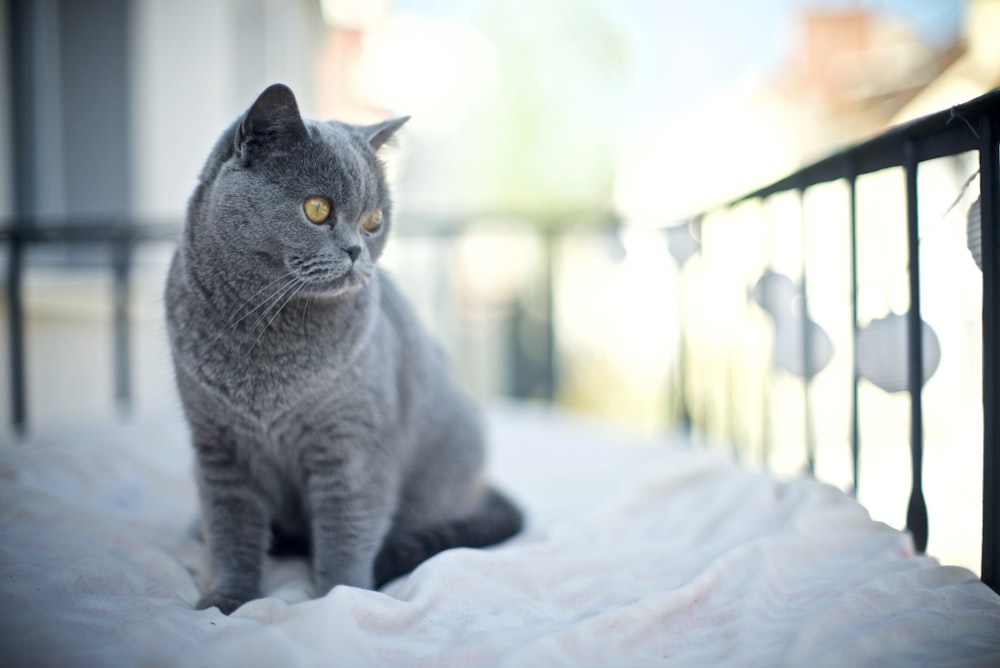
(284, 198)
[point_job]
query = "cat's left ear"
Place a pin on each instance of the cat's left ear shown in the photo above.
(378, 134)
(274, 116)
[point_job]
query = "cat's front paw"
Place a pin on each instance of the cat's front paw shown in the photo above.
(226, 603)
(325, 580)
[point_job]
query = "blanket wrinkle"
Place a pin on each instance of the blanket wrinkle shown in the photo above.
(638, 556)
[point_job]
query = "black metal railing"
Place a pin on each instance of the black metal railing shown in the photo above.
(120, 239)
(972, 126)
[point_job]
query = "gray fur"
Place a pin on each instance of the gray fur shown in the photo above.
(316, 403)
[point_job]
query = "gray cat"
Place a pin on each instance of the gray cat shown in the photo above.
(318, 408)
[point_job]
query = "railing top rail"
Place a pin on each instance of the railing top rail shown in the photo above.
(946, 132)
(85, 230)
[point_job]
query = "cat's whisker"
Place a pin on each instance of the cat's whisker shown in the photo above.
(233, 321)
(273, 309)
(270, 302)
(287, 274)
(305, 313)
(296, 289)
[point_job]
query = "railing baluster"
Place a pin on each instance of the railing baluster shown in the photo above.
(807, 344)
(549, 295)
(916, 514)
(15, 327)
(989, 184)
(767, 427)
(121, 251)
(852, 183)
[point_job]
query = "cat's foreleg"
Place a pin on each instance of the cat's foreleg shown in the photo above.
(350, 517)
(236, 529)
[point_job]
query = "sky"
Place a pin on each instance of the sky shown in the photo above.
(685, 50)
(737, 39)
(545, 96)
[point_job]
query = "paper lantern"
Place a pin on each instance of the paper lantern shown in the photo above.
(788, 347)
(974, 232)
(882, 356)
(682, 243)
(780, 297)
(775, 293)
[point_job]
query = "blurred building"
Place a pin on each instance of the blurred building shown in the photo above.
(974, 70)
(109, 103)
(107, 111)
(851, 71)
(849, 74)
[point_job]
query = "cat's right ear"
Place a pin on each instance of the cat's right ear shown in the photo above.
(379, 134)
(274, 117)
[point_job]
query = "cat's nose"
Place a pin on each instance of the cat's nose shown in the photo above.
(353, 252)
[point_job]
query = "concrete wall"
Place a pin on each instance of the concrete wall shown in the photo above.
(195, 67)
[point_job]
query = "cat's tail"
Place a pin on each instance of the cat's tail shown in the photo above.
(495, 519)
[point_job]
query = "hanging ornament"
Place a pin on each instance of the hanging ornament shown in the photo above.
(882, 353)
(775, 293)
(682, 242)
(974, 232)
(788, 343)
(781, 298)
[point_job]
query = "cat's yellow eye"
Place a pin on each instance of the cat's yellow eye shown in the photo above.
(317, 209)
(373, 221)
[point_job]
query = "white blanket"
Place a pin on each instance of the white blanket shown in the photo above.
(633, 556)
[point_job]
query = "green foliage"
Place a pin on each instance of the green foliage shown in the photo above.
(550, 133)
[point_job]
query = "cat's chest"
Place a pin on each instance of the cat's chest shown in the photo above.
(282, 374)
(262, 375)
(259, 370)
(278, 416)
